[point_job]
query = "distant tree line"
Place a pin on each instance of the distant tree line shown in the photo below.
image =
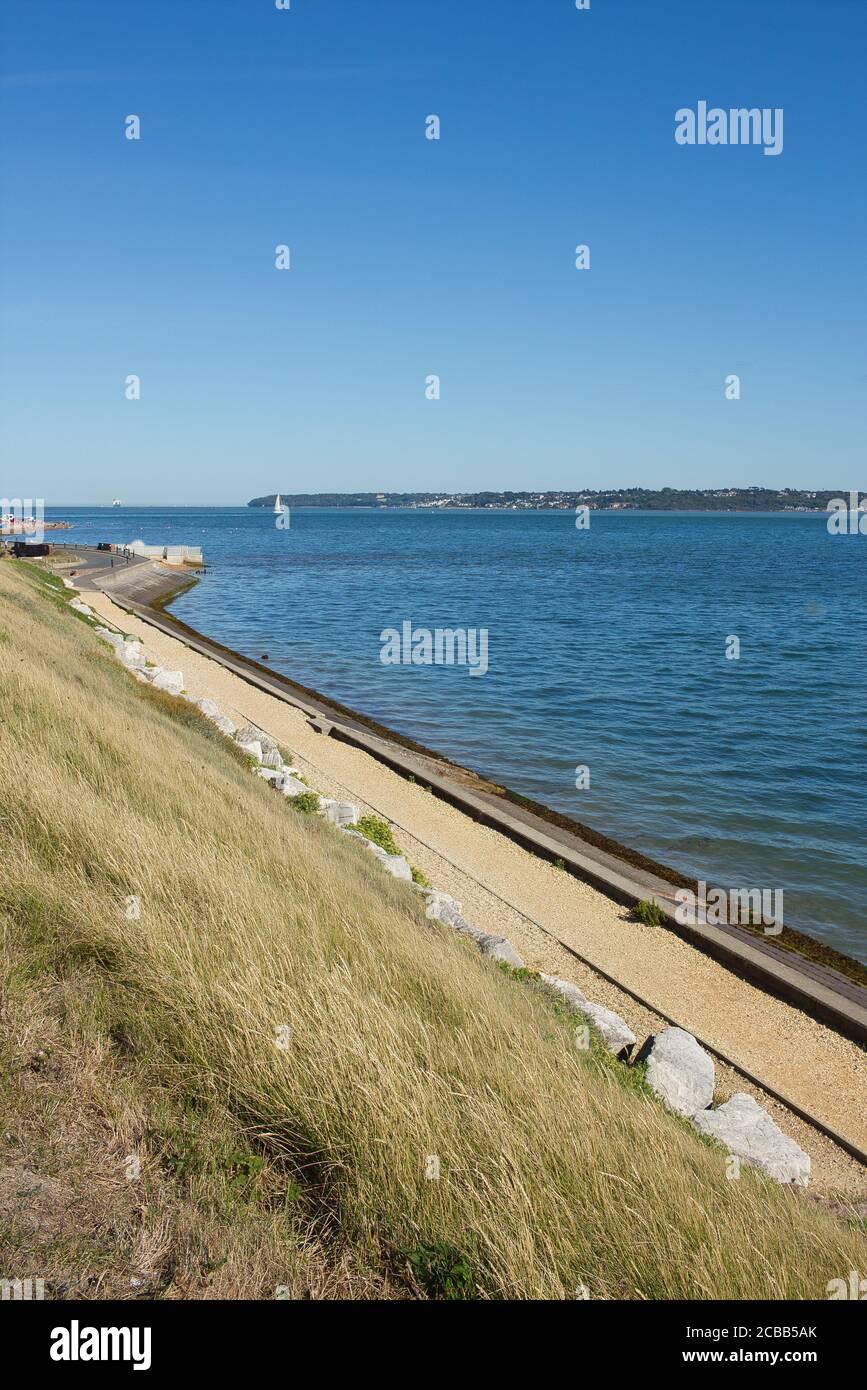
(668, 499)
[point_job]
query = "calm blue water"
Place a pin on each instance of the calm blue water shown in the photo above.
(606, 649)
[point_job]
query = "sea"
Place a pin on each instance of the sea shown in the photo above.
(693, 685)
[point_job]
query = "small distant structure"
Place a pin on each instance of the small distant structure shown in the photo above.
(170, 554)
(30, 549)
(116, 502)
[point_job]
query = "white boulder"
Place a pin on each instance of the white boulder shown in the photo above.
(498, 948)
(130, 653)
(339, 812)
(289, 786)
(440, 906)
(253, 748)
(617, 1036)
(81, 607)
(746, 1130)
(208, 707)
(271, 758)
(679, 1070)
(250, 734)
(225, 725)
(172, 682)
(568, 992)
(394, 864)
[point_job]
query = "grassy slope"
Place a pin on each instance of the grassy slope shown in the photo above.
(398, 1042)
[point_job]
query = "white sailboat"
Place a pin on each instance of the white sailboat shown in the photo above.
(278, 505)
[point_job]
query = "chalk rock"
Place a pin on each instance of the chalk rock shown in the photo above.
(80, 607)
(271, 758)
(289, 786)
(498, 948)
(114, 639)
(172, 682)
(459, 923)
(744, 1128)
(339, 812)
(250, 734)
(443, 908)
(253, 748)
(617, 1036)
(130, 653)
(570, 993)
(208, 707)
(394, 864)
(440, 906)
(678, 1070)
(267, 773)
(224, 724)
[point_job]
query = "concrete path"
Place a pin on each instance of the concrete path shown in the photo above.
(132, 577)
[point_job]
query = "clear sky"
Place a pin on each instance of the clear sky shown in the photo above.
(411, 257)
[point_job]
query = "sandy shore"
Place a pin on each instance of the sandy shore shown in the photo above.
(541, 910)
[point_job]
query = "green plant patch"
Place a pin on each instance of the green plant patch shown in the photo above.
(379, 831)
(650, 913)
(441, 1271)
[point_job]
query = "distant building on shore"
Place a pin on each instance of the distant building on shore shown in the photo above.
(171, 554)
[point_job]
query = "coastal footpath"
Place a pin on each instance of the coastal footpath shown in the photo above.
(549, 916)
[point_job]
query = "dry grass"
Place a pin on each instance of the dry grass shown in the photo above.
(398, 1040)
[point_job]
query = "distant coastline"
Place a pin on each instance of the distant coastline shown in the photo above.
(751, 499)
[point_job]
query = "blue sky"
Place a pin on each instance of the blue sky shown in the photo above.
(412, 257)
